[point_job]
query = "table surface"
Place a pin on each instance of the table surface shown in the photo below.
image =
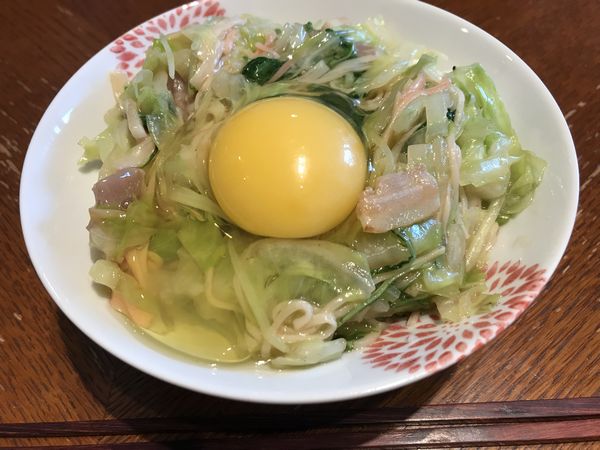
(50, 372)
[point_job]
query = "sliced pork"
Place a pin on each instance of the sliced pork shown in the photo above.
(119, 189)
(398, 200)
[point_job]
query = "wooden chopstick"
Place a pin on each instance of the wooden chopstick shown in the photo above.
(395, 437)
(451, 414)
(473, 424)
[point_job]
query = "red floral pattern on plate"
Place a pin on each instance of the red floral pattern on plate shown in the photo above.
(429, 345)
(131, 47)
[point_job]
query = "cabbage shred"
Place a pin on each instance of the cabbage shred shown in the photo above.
(181, 271)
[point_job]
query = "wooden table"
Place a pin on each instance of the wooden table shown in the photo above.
(58, 388)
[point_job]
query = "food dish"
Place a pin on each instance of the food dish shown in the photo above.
(349, 362)
(281, 192)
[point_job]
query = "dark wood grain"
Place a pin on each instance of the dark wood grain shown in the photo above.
(50, 372)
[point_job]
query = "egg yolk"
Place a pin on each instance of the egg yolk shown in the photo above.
(287, 167)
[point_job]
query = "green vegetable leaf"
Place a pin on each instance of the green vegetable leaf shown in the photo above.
(312, 269)
(354, 331)
(494, 164)
(344, 105)
(437, 278)
(137, 227)
(344, 49)
(416, 264)
(401, 233)
(165, 243)
(421, 237)
(203, 241)
(159, 114)
(404, 304)
(474, 81)
(261, 69)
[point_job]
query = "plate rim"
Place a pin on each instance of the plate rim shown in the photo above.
(291, 398)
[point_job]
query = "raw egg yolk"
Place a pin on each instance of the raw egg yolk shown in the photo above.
(287, 167)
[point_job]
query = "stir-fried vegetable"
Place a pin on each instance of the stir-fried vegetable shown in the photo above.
(446, 169)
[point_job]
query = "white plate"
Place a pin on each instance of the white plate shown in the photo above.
(55, 196)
